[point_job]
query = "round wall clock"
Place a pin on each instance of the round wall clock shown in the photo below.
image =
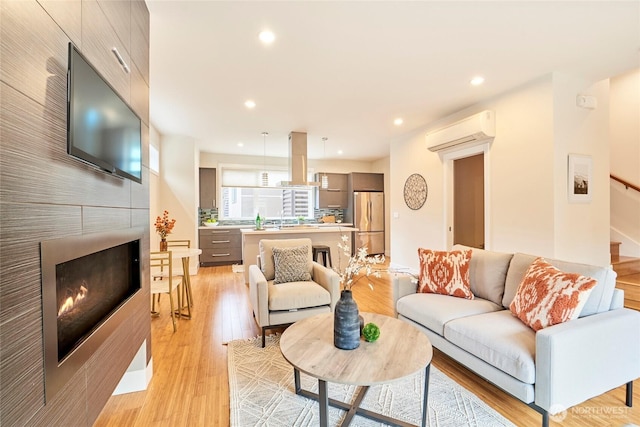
(415, 191)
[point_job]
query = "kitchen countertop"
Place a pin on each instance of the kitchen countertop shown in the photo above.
(204, 227)
(249, 226)
(299, 230)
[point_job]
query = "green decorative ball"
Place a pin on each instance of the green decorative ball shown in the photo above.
(371, 332)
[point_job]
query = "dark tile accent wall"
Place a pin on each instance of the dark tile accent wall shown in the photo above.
(45, 194)
(338, 213)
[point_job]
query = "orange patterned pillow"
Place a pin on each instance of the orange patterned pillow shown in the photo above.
(445, 273)
(548, 296)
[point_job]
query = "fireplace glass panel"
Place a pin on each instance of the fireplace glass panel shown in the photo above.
(89, 288)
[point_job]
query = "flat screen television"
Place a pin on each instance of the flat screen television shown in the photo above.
(102, 130)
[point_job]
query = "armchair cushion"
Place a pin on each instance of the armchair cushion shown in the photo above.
(290, 264)
(297, 295)
(267, 264)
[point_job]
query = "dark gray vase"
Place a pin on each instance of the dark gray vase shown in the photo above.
(346, 323)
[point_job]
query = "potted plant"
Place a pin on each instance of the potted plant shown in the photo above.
(164, 226)
(346, 325)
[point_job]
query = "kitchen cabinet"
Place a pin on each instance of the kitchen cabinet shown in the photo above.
(335, 196)
(207, 188)
(361, 181)
(220, 246)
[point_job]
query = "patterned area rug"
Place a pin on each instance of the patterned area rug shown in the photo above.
(262, 394)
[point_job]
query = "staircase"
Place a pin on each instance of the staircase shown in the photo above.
(628, 280)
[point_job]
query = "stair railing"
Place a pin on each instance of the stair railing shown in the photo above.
(626, 184)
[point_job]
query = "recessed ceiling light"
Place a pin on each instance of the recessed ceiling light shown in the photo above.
(340, 152)
(249, 103)
(240, 144)
(477, 81)
(266, 37)
(398, 121)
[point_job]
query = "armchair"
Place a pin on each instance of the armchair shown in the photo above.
(286, 285)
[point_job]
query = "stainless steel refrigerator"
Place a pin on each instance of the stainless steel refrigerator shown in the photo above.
(368, 217)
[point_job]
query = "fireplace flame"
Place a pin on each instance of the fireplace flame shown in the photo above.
(72, 300)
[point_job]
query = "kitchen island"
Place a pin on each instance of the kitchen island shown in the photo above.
(324, 235)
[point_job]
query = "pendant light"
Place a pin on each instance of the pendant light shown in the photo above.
(324, 179)
(264, 180)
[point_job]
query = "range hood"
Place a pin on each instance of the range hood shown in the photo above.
(298, 162)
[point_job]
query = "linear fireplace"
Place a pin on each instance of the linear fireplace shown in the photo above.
(88, 283)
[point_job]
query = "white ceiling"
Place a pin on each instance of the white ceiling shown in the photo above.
(346, 70)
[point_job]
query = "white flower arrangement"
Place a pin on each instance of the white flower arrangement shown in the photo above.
(358, 262)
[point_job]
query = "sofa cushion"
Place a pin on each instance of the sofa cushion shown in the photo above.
(445, 273)
(296, 295)
(548, 296)
(433, 311)
(290, 264)
(600, 298)
(266, 246)
(499, 339)
(487, 272)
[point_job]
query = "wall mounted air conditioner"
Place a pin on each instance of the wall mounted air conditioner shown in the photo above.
(475, 128)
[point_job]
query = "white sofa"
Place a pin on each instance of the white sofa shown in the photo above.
(559, 366)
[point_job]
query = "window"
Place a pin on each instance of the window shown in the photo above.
(243, 197)
(154, 159)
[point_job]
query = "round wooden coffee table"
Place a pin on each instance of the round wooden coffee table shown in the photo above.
(401, 350)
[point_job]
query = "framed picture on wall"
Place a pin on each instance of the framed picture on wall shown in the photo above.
(580, 178)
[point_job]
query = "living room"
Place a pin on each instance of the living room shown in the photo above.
(47, 195)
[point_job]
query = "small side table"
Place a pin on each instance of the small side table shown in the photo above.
(401, 350)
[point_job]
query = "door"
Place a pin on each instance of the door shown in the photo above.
(468, 201)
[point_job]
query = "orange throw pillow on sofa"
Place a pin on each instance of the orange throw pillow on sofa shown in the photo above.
(548, 296)
(445, 273)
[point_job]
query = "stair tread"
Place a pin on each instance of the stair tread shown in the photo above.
(621, 259)
(630, 278)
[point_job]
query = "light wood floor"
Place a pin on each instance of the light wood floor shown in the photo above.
(190, 381)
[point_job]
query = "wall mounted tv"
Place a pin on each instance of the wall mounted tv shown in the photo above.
(102, 130)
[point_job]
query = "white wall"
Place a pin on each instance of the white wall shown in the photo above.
(420, 228)
(625, 161)
(581, 230)
(522, 170)
(179, 190)
(155, 208)
(536, 125)
(625, 126)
